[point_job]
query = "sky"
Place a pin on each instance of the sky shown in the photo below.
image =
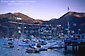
(42, 9)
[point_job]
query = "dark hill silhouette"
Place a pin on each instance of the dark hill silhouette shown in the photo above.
(74, 18)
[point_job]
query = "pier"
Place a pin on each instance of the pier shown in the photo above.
(77, 41)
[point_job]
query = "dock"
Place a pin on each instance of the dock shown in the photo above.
(77, 41)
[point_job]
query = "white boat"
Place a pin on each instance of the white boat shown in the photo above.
(35, 48)
(53, 43)
(31, 50)
(23, 42)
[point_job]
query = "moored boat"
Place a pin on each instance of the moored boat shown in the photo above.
(31, 50)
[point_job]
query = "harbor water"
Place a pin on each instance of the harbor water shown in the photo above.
(21, 51)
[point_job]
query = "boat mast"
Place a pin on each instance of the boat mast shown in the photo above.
(39, 30)
(8, 32)
(68, 22)
(22, 27)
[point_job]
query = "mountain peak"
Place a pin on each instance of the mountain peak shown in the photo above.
(75, 12)
(16, 13)
(9, 13)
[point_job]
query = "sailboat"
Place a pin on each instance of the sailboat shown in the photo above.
(23, 41)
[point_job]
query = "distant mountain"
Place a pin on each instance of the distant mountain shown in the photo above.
(74, 18)
(13, 16)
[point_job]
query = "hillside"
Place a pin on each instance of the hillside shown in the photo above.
(6, 26)
(74, 18)
(13, 16)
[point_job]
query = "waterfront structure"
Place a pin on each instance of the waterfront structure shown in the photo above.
(78, 40)
(41, 30)
(37, 30)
